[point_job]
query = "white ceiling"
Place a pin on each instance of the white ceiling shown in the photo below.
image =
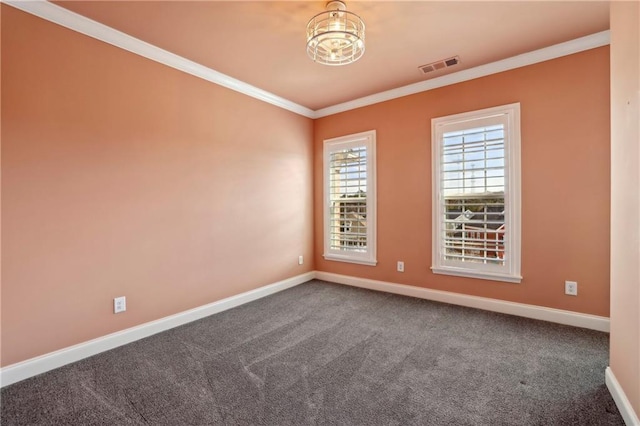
(263, 43)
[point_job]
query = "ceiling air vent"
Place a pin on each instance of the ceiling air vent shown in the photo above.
(438, 65)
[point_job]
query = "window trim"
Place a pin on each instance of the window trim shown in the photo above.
(512, 194)
(367, 139)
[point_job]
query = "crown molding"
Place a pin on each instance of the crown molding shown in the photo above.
(552, 52)
(94, 29)
(73, 21)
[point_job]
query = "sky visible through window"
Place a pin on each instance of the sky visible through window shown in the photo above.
(351, 165)
(473, 161)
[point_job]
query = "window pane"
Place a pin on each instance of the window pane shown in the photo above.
(476, 197)
(348, 198)
(473, 214)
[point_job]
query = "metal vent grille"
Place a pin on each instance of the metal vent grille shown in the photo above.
(438, 65)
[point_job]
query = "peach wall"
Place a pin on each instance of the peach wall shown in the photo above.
(625, 198)
(121, 176)
(565, 181)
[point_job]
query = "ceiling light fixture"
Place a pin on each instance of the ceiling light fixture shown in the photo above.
(336, 36)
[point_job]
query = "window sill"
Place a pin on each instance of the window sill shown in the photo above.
(346, 259)
(492, 276)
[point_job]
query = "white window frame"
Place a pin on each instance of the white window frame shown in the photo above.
(368, 140)
(509, 115)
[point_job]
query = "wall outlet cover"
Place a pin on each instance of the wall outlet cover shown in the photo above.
(119, 304)
(571, 288)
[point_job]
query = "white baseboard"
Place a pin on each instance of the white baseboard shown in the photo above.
(622, 402)
(41, 364)
(559, 316)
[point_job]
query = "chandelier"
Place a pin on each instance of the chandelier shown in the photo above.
(335, 37)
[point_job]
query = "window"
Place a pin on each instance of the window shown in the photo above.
(350, 198)
(476, 194)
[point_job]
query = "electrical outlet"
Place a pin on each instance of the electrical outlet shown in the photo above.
(400, 266)
(119, 304)
(300, 260)
(571, 288)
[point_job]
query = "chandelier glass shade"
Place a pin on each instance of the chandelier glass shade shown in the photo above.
(335, 36)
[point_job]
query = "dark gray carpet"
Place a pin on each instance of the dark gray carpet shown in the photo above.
(325, 354)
